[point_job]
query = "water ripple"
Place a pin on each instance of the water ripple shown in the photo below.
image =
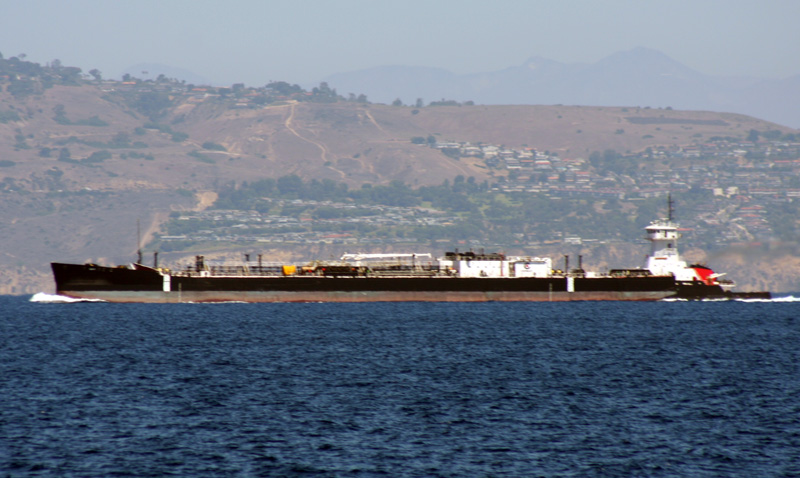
(610, 389)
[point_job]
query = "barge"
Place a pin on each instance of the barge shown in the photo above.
(454, 277)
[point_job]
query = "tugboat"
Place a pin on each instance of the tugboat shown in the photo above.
(664, 259)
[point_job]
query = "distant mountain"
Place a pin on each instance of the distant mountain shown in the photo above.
(384, 84)
(638, 77)
(775, 100)
(150, 71)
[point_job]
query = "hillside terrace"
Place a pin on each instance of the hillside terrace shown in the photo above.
(251, 226)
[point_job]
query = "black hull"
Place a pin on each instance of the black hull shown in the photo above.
(144, 284)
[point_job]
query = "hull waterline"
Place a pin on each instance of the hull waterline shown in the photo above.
(148, 285)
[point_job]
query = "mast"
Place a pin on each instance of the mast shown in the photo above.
(138, 242)
(670, 207)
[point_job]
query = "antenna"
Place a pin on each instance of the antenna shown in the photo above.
(138, 241)
(670, 209)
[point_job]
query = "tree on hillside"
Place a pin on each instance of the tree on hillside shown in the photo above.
(121, 140)
(324, 94)
(60, 114)
(290, 185)
(64, 155)
(96, 74)
(283, 88)
(152, 104)
(70, 75)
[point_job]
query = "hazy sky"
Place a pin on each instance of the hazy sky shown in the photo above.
(302, 41)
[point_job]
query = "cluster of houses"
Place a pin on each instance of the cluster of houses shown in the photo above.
(747, 179)
(727, 168)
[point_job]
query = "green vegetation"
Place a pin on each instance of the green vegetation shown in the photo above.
(97, 157)
(8, 116)
(28, 78)
(64, 155)
(211, 146)
(61, 118)
(444, 102)
(785, 221)
(201, 157)
(176, 136)
(611, 161)
(21, 142)
(92, 121)
(60, 115)
(151, 104)
(137, 155)
(120, 140)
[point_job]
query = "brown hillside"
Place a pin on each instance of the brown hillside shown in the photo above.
(349, 142)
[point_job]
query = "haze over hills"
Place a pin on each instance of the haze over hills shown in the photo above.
(638, 77)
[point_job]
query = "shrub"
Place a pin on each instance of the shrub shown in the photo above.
(213, 146)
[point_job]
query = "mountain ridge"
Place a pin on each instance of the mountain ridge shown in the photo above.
(637, 77)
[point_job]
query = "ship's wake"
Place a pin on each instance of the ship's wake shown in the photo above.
(46, 298)
(787, 298)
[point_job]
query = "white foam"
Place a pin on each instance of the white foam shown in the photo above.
(45, 298)
(215, 302)
(788, 298)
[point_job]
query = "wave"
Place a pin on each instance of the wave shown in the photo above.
(214, 302)
(787, 298)
(45, 298)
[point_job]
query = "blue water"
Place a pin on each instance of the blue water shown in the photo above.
(428, 390)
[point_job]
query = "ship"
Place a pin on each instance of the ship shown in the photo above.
(363, 277)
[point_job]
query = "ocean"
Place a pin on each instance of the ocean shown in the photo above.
(400, 389)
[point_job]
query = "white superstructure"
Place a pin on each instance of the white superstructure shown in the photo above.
(664, 258)
(470, 264)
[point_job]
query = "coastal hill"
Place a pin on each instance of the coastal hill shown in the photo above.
(351, 142)
(82, 164)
